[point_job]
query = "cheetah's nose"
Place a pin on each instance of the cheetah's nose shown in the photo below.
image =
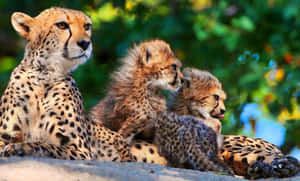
(223, 111)
(181, 80)
(83, 44)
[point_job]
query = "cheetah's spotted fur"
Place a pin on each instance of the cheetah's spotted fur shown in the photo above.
(134, 98)
(202, 97)
(41, 110)
(250, 157)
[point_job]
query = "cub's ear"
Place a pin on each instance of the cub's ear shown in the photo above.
(185, 87)
(21, 23)
(146, 54)
(186, 83)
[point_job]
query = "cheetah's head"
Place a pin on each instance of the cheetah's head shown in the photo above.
(61, 38)
(160, 65)
(203, 93)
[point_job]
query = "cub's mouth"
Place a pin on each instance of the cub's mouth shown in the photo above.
(217, 116)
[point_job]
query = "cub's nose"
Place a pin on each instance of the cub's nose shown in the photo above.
(222, 111)
(83, 44)
(182, 80)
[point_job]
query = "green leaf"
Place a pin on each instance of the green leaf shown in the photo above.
(244, 23)
(231, 41)
(220, 29)
(200, 33)
(7, 64)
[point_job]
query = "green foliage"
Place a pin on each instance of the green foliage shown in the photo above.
(293, 137)
(251, 46)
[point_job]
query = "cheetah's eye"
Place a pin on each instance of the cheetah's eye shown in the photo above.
(62, 25)
(216, 97)
(174, 66)
(87, 26)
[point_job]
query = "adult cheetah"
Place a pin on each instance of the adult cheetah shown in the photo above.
(41, 110)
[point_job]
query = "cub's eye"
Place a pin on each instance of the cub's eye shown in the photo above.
(174, 66)
(62, 25)
(216, 97)
(87, 26)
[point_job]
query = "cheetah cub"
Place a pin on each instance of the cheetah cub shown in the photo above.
(134, 99)
(189, 143)
(41, 110)
(201, 96)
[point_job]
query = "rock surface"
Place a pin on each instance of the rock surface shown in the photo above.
(28, 168)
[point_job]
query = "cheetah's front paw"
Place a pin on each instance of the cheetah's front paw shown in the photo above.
(2, 145)
(260, 169)
(286, 166)
(16, 149)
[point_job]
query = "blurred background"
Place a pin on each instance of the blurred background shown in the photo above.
(252, 46)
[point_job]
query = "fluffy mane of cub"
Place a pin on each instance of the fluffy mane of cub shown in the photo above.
(134, 98)
(201, 96)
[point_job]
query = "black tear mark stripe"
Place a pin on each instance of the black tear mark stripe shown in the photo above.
(175, 79)
(216, 105)
(66, 53)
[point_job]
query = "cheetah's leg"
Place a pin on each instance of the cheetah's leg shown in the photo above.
(44, 150)
(123, 149)
(200, 161)
(239, 152)
(132, 126)
(2, 145)
(143, 151)
(110, 146)
(12, 131)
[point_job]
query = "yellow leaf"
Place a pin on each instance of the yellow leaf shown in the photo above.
(274, 76)
(201, 4)
(105, 13)
(270, 77)
(279, 74)
(294, 114)
(130, 4)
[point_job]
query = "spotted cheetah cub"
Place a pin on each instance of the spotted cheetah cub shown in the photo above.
(195, 86)
(134, 99)
(41, 110)
(201, 96)
(188, 142)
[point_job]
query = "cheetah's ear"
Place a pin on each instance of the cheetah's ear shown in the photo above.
(21, 23)
(185, 87)
(186, 83)
(146, 55)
